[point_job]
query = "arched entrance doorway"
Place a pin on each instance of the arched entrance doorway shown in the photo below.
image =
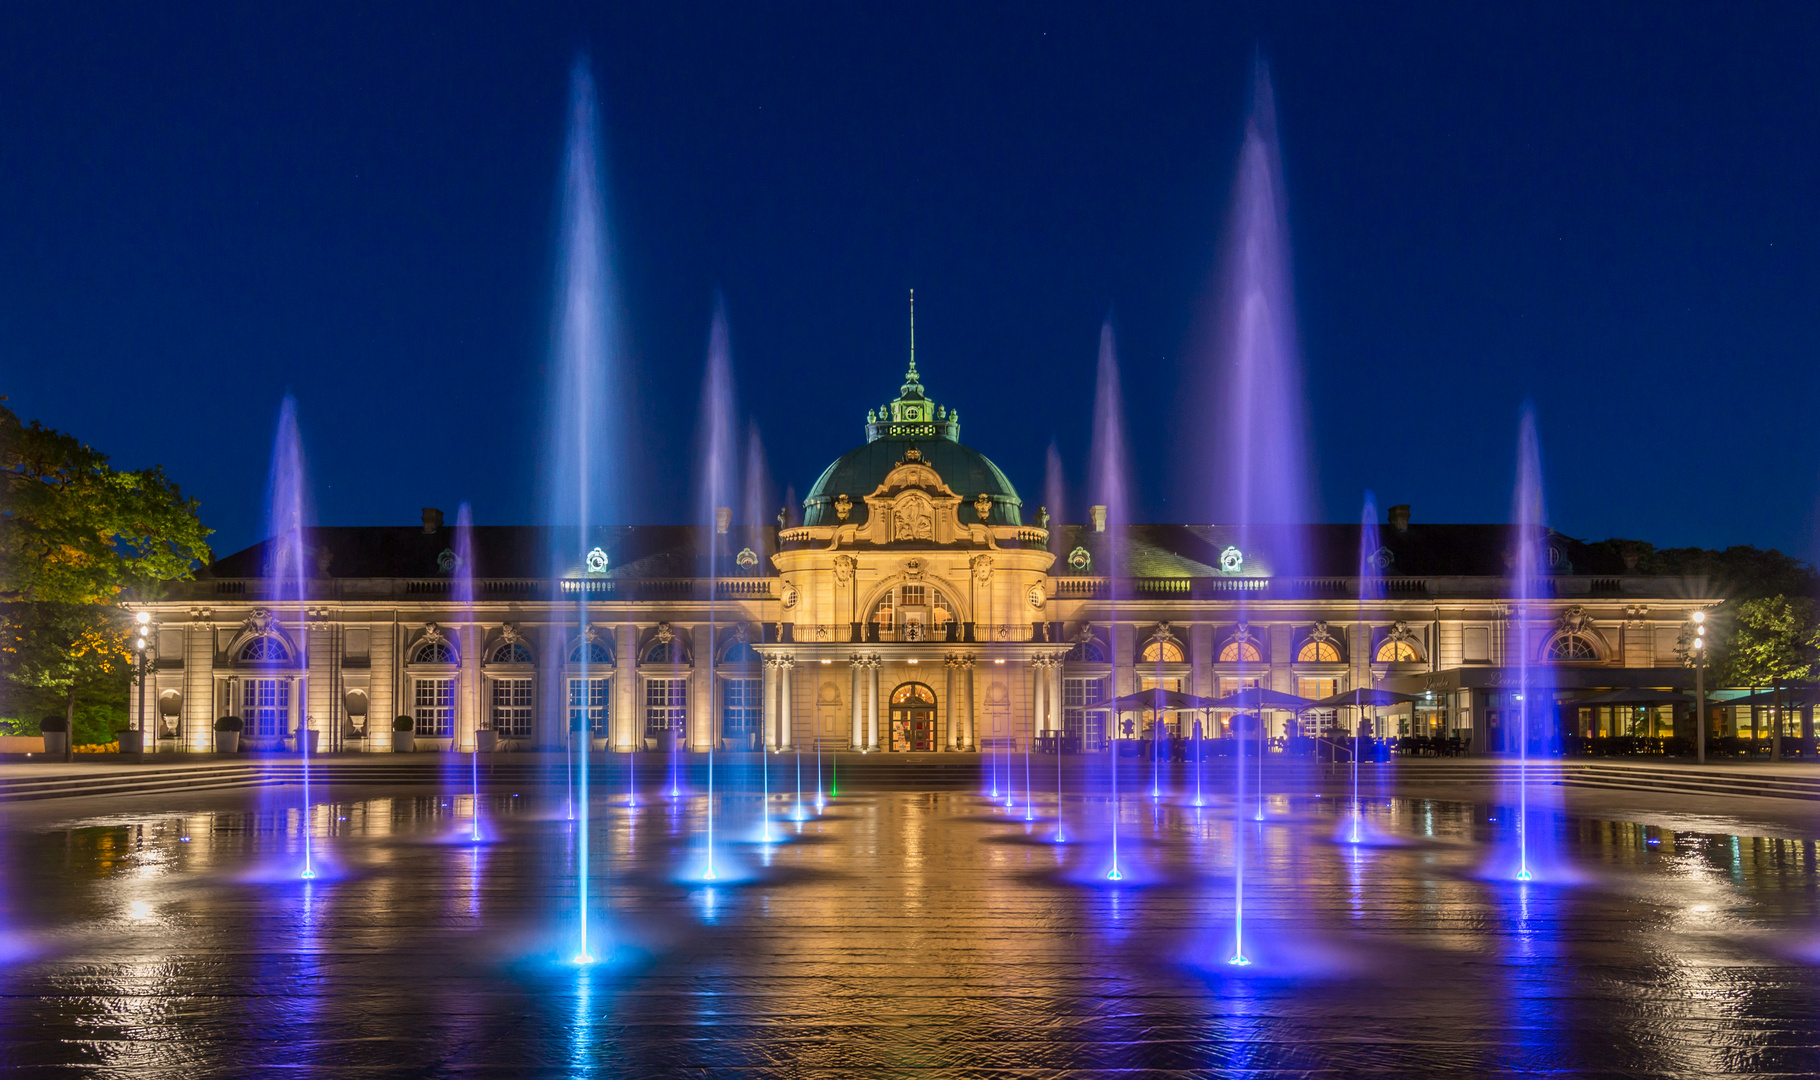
(912, 717)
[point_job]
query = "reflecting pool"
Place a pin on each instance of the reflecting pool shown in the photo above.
(896, 934)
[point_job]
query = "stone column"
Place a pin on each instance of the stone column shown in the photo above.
(770, 703)
(1039, 686)
(967, 725)
(948, 705)
(872, 669)
(856, 666)
(786, 705)
(624, 688)
(1055, 693)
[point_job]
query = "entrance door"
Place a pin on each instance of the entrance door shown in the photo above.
(912, 718)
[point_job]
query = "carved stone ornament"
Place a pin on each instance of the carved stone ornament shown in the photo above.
(741, 635)
(789, 595)
(843, 506)
(783, 517)
(912, 454)
(1084, 636)
(843, 569)
(433, 633)
(1164, 635)
(596, 562)
(590, 636)
(1232, 560)
(982, 568)
(664, 635)
(1042, 517)
(1321, 634)
(260, 622)
(1401, 634)
(913, 569)
(913, 631)
(510, 635)
(746, 559)
(1080, 560)
(1038, 597)
(983, 506)
(448, 562)
(1241, 635)
(1574, 620)
(913, 519)
(1382, 559)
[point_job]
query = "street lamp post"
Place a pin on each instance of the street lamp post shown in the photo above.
(1700, 687)
(145, 647)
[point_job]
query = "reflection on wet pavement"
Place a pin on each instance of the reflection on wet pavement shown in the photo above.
(897, 934)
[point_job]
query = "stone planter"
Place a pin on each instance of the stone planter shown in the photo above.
(404, 742)
(314, 736)
(56, 742)
(227, 742)
(129, 741)
(486, 740)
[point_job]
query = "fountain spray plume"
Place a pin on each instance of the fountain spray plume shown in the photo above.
(756, 505)
(1263, 441)
(720, 482)
(589, 419)
(1107, 479)
(1055, 505)
(1529, 564)
(289, 568)
(1371, 589)
(462, 589)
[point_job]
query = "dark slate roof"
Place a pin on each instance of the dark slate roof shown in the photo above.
(516, 551)
(860, 471)
(1309, 550)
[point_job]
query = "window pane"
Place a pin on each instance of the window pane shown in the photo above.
(666, 705)
(512, 708)
(590, 695)
(1088, 728)
(434, 710)
(741, 707)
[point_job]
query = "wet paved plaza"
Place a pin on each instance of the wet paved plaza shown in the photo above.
(895, 934)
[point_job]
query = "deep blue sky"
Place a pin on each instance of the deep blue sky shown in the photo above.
(1613, 211)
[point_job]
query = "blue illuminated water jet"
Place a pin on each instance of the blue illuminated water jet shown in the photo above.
(1108, 475)
(289, 565)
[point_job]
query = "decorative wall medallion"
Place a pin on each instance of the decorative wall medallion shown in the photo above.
(433, 634)
(913, 631)
(510, 635)
(1232, 560)
(842, 506)
(843, 569)
(982, 568)
(448, 561)
(1401, 634)
(596, 562)
(983, 506)
(1038, 597)
(1574, 620)
(746, 559)
(789, 595)
(1321, 633)
(664, 634)
(823, 632)
(1382, 558)
(913, 569)
(259, 622)
(1080, 560)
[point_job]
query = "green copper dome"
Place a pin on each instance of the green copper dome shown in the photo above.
(891, 430)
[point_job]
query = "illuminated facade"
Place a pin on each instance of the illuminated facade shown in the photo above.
(917, 608)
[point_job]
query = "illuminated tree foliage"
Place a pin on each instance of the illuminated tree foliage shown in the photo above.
(77, 538)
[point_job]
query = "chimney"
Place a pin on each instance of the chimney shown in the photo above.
(1098, 513)
(1399, 518)
(432, 519)
(723, 517)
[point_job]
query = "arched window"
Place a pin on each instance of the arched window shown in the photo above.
(264, 650)
(592, 653)
(740, 652)
(1090, 652)
(1164, 652)
(434, 651)
(1240, 652)
(512, 652)
(1317, 652)
(664, 652)
(1397, 652)
(1572, 647)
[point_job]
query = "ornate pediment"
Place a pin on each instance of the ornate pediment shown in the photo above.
(912, 518)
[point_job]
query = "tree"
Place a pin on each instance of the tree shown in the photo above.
(1771, 641)
(77, 537)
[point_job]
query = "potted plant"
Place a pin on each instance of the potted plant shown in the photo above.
(404, 740)
(56, 731)
(227, 735)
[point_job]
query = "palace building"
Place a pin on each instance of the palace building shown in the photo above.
(919, 607)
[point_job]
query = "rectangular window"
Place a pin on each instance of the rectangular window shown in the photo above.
(1087, 728)
(666, 705)
(435, 708)
(1172, 721)
(267, 708)
(1315, 689)
(741, 707)
(512, 708)
(591, 695)
(914, 596)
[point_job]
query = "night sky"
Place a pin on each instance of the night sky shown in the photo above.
(1611, 211)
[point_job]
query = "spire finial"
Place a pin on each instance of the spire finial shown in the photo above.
(912, 376)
